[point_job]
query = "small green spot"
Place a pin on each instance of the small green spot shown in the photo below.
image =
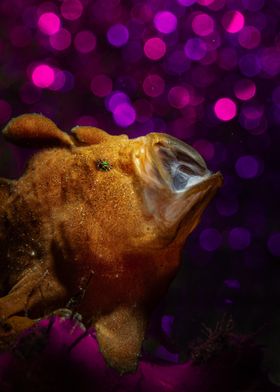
(103, 165)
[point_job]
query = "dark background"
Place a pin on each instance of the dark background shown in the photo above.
(97, 63)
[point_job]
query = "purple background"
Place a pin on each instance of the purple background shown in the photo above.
(205, 71)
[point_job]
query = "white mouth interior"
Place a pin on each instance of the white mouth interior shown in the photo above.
(169, 165)
(181, 180)
(182, 167)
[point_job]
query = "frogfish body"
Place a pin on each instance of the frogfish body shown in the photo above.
(97, 222)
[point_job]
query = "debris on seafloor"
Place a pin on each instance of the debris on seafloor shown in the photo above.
(59, 353)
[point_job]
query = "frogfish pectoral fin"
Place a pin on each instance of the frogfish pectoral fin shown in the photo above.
(120, 335)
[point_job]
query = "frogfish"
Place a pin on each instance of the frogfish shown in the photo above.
(97, 222)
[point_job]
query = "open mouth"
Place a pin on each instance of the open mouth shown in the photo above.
(176, 176)
(165, 162)
(180, 166)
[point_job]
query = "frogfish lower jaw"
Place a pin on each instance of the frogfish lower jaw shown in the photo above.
(196, 201)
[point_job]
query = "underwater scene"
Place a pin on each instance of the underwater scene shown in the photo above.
(139, 195)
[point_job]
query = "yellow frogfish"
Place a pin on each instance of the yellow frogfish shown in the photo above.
(99, 221)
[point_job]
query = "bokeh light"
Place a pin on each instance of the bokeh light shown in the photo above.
(249, 37)
(205, 148)
(203, 24)
(225, 109)
(165, 22)
(115, 99)
(71, 9)
(49, 23)
(233, 21)
(210, 239)
(195, 48)
(61, 40)
(273, 244)
(85, 42)
(59, 80)
(69, 81)
(101, 85)
(239, 238)
(124, 114)
(270, 61)
(232, 284)
(244, 89)
(118, 35)
(142, 12)
(252, 118)
(155, 48)
(178, 97)
(250, 65)
(247, 167)
(43, 76)
(153, 85)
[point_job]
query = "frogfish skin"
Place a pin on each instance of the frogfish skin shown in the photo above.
(98, 221)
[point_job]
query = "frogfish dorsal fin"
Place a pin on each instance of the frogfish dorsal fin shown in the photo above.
(89, 135)
(35, 130)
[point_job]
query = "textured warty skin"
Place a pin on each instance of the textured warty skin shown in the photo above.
(97, 221)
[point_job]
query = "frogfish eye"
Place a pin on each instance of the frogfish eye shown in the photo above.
(103, 165)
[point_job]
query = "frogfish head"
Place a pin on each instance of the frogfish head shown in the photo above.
(178, 184)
